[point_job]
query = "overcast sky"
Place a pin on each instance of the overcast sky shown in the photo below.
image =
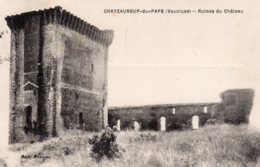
(163, 58)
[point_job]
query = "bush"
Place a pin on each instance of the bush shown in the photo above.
(105, 145)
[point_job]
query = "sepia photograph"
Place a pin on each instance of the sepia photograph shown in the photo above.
(129, 83)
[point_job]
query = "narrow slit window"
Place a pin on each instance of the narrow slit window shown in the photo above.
(92, 67)
(81, 121)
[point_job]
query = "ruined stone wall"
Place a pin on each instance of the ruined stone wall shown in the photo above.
(83, 79)
(234, 108)
(178, 117)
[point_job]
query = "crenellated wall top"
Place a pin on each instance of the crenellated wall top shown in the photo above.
(57, 15)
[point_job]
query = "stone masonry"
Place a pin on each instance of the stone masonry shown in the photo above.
(58, 74)
(234, 108)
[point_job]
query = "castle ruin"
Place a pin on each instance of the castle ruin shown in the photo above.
(58, 80)
(58, 74)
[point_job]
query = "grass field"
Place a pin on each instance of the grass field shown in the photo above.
(211, 146)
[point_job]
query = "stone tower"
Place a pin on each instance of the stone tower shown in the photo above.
(58, 74)
(237, 105)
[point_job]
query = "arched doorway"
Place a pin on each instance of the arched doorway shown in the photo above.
(28, 119)
(162, 124)
(137, 126)
(195, 122)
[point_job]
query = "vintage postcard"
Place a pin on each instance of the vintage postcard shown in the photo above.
(129, 83)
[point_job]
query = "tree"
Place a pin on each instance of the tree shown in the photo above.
(3, 58)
